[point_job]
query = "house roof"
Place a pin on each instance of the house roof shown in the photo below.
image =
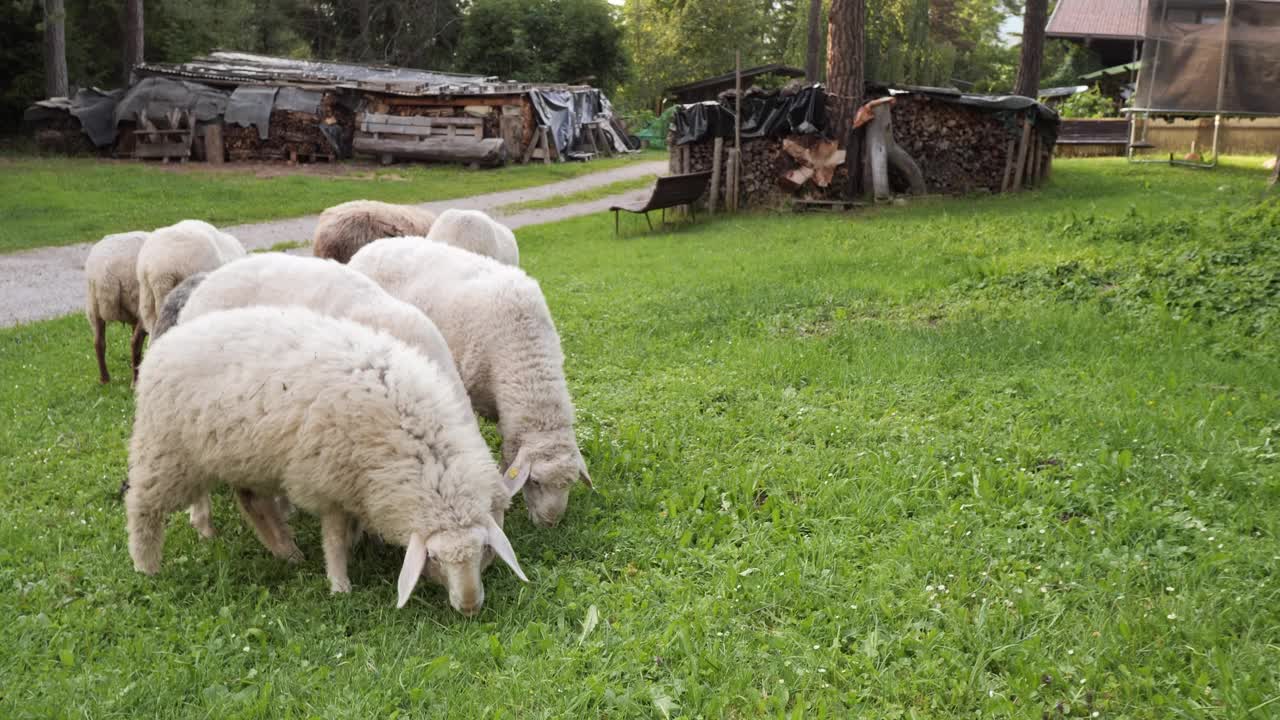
(238, 68)
(1124, 19)
(772, 69)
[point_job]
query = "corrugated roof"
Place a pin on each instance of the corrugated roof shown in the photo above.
(237, 68)
(1098, 18)
(771, 69)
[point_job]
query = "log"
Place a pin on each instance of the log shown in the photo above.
(796, 179)
(877, 143)
(487, 152)
(716, 151)
(902, 161)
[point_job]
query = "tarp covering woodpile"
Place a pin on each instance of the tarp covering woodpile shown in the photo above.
(1191, 66)
(765, 113)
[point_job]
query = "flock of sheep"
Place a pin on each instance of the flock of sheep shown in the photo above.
(345, 384)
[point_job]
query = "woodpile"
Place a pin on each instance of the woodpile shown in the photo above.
(762, 165)
(62, 135)
(292, 135)
(960, 149)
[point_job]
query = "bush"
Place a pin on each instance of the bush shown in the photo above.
(1089, 104)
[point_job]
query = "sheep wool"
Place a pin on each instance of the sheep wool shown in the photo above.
(320, 285)
(111, 294)
(264, 400)
(344, 229)
(171, 255)
(499, 329)
(475, 231)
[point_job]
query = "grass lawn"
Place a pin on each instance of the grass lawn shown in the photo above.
(993, 457)
(63, 201)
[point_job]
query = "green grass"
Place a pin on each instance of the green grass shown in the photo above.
(990, 457)
(603, 191)
(63, 201)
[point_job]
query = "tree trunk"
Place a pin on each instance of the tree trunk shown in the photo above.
(55, 49)
(363, 11)
(1033, 21)
(133, 45)
(814, 50)
(845, 51)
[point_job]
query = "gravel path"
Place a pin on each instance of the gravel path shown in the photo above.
(49, 282)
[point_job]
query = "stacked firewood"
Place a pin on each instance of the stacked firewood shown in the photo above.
(761, 160)
(960, 149)
(291, 135)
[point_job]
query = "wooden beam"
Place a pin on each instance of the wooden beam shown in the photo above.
(1021, 162)
(213, 148)
(877, 144)
(486, 152)
(1008, 165)
(717, 149)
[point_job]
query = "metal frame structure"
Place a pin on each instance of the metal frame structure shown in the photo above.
(1217, 115)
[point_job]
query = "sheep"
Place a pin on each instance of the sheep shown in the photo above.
(473, 230)
(505, 345)
(111, 294)
(345, 421)
(344, 229)
(320, 285)
(172, 254)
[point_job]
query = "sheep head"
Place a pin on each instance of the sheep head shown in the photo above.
(457, 558)
(547, 470)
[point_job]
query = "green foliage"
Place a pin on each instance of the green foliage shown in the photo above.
(20, 42)
(835, 479)
(1089, 104)
(1065, 62)
(544, 40)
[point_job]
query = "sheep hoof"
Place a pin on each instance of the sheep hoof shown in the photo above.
(206, 532)
(339, 585)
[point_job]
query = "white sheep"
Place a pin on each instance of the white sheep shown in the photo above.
(345, 421)
(505, 345)
(344, 229)
(473, 230)
(320, 285)
(111, 294)
(171, 254)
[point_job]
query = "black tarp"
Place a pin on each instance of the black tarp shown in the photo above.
(250, 106)
(764, 114)
(295, 99)
(564, 111)
(156, 96)
(803, 112)
(94, 109)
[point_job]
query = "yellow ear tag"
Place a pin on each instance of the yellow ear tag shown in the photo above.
(512, 472)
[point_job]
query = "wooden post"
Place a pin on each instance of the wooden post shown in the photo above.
(1033, 162)
(737, 127)
(716, 149)
(1048, 165)
(546, 146)
(730, 188)
(213, 150)
(1021, 162)
(1008, 165)
(877, 138)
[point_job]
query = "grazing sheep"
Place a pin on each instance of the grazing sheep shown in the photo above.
(112, 294)
(320, 285)
(473, 230)
(499, 329)
(171, 255)
(344, 229)
(345, 421)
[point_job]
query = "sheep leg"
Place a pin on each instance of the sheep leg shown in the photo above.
(264, 516)
(334, 528)
(135, 346)
(202, 517)
(100, 349)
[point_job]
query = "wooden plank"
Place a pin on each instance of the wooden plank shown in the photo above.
(544, 140)
(213, 147)
(717, 149)
(486, 151)
(1008, 165)
(164, 150)
(1021, 163)
(528, 149)
(878, 155)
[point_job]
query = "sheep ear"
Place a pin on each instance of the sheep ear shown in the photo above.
(518, 474)
(502, 547)
(415, 558)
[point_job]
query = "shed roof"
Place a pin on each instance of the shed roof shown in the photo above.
(771, 69)
(239, 68)
(1125, 19)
